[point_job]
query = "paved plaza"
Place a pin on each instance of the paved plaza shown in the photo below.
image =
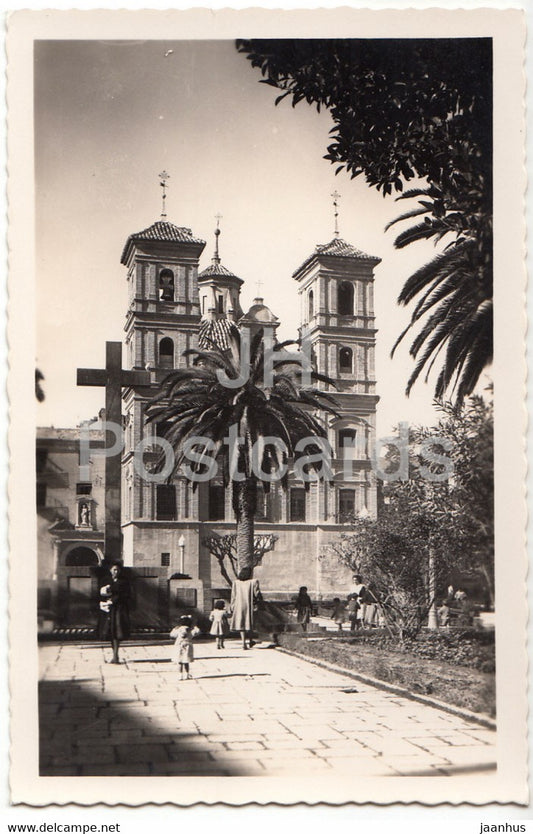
(246, 713)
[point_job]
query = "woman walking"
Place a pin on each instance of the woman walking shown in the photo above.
(245, 596)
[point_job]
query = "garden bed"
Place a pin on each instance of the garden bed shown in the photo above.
(457, 668)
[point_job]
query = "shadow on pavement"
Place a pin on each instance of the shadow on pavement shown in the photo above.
(450, 770)
(235, 675)
(82, 733)
(151, 660)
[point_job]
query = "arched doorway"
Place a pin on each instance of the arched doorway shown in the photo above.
(81, 557)
(81, 583)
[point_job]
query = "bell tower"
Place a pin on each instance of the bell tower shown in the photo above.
(162, 322)
(337, 316)
(163, 311)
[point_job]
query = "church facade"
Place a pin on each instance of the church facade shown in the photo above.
(173, 306)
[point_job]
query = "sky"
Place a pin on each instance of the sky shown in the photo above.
(109, 117)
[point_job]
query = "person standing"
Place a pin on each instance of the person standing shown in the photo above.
(304, 607)
(183, 635)
(352, 609)
(358, 591)
(245, 596)
(115, 597)
(219, 622)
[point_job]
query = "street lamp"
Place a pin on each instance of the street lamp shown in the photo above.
(181, 545)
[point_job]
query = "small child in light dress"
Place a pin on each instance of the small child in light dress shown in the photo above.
(183, 651)
(219, 622)
(339, 612)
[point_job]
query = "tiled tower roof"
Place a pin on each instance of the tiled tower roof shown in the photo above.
(216, 270)
(338, 248)
(164, 232)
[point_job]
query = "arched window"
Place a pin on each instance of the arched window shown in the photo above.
(347, 444)
(345, 299)
(166, 285)
(166, 353)
(220, 304)
(310, 304)
(81, 557)
(345, 360)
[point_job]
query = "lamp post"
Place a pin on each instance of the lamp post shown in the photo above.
(432, 589)
(181, 545)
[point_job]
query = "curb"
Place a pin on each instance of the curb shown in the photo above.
(476, 718)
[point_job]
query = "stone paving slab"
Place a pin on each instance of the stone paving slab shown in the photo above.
(256, 713)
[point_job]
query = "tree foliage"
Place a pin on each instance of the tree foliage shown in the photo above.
(195, 404)
(404, 110)
(427, 526)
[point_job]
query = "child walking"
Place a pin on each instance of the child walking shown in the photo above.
(339, 612)
(183, 650)
(219, 622)
(304, 607)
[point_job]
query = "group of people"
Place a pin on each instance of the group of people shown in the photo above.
(114, 621)
(456, 603)
(359, 608)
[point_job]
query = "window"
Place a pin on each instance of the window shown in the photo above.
(217, 495)
(261, 512)
(84, 488)
(166, 353)
(347, 443)
(166, 285)
(165, 560)
(310, 304)
(165, 502)
(41, 495)
(220, 304)
(345, 360)
(42, 455)
(297, 507)
(346, 505)
(345, 299)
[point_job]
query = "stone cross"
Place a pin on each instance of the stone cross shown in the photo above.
(113, 378)
(336, 196)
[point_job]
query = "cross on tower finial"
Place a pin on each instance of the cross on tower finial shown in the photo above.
(259, 284)
(336, 196)
(218, 218)
(163, 177)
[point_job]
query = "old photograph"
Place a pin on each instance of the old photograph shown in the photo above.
(275, 418)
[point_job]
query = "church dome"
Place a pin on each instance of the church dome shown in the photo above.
(161, 232)
(214, 332)
(259, 313)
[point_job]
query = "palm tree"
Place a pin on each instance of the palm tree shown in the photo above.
(454, 290)
(194, 403)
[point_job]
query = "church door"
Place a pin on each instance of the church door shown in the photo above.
(81, 587)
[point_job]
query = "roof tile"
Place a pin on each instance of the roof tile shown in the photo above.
(338, 248)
